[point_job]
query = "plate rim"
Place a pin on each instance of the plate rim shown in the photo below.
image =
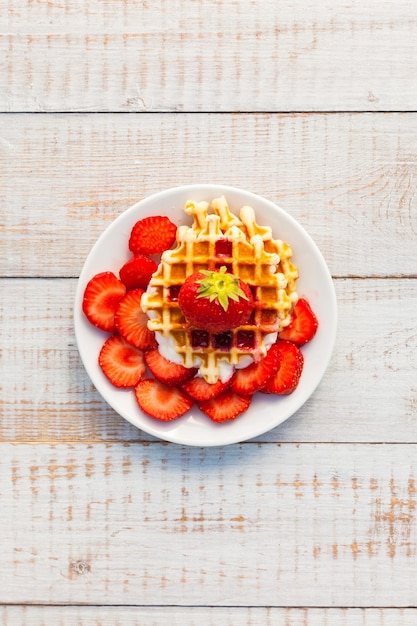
(228, 436)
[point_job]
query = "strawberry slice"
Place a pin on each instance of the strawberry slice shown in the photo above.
(303, 325)
(200, 390)
(152, 235)
(287, 376)
(137, 271)
(101, 297)
(132, 322)
(252, 378)
(122, 363)
(166, 371)
(161, 401)
(226, 406)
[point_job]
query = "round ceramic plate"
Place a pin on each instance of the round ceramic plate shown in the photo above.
(315, 284)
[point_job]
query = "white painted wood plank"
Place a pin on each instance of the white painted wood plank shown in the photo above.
(252, 525)
(348, 179)
(207, 616)
(266, 55)
(369, 392)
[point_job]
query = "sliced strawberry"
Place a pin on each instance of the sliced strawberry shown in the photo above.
(287, 376)
(226, 406)
(152, 235)
(132, 322)
(122, 363)
(161, 401)
(200, 390)
(166, 371)
(101, 297)
(303, 325)
(252, 378)
(137, 271)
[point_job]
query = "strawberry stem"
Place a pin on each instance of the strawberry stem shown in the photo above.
(220, 285)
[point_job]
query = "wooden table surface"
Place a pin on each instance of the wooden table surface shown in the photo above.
(313, 105)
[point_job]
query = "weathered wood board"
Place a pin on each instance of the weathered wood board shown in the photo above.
(348, 179)
(243, 525)
(47, 395)
(244, 55)
(206, 616)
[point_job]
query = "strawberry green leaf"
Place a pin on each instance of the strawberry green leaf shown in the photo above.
(221, 286)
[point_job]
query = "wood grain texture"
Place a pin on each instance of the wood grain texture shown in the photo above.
(314, 523)
(47, 395)
(207, 616)
(244, 55)
(251, 525)
(348, 179)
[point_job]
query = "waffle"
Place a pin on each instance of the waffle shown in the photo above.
(218, 237)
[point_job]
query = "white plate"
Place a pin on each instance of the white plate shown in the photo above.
(315, 284)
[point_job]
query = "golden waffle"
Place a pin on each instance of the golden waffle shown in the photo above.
(247, 250)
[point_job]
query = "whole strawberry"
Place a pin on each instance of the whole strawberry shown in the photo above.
(215, 301)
